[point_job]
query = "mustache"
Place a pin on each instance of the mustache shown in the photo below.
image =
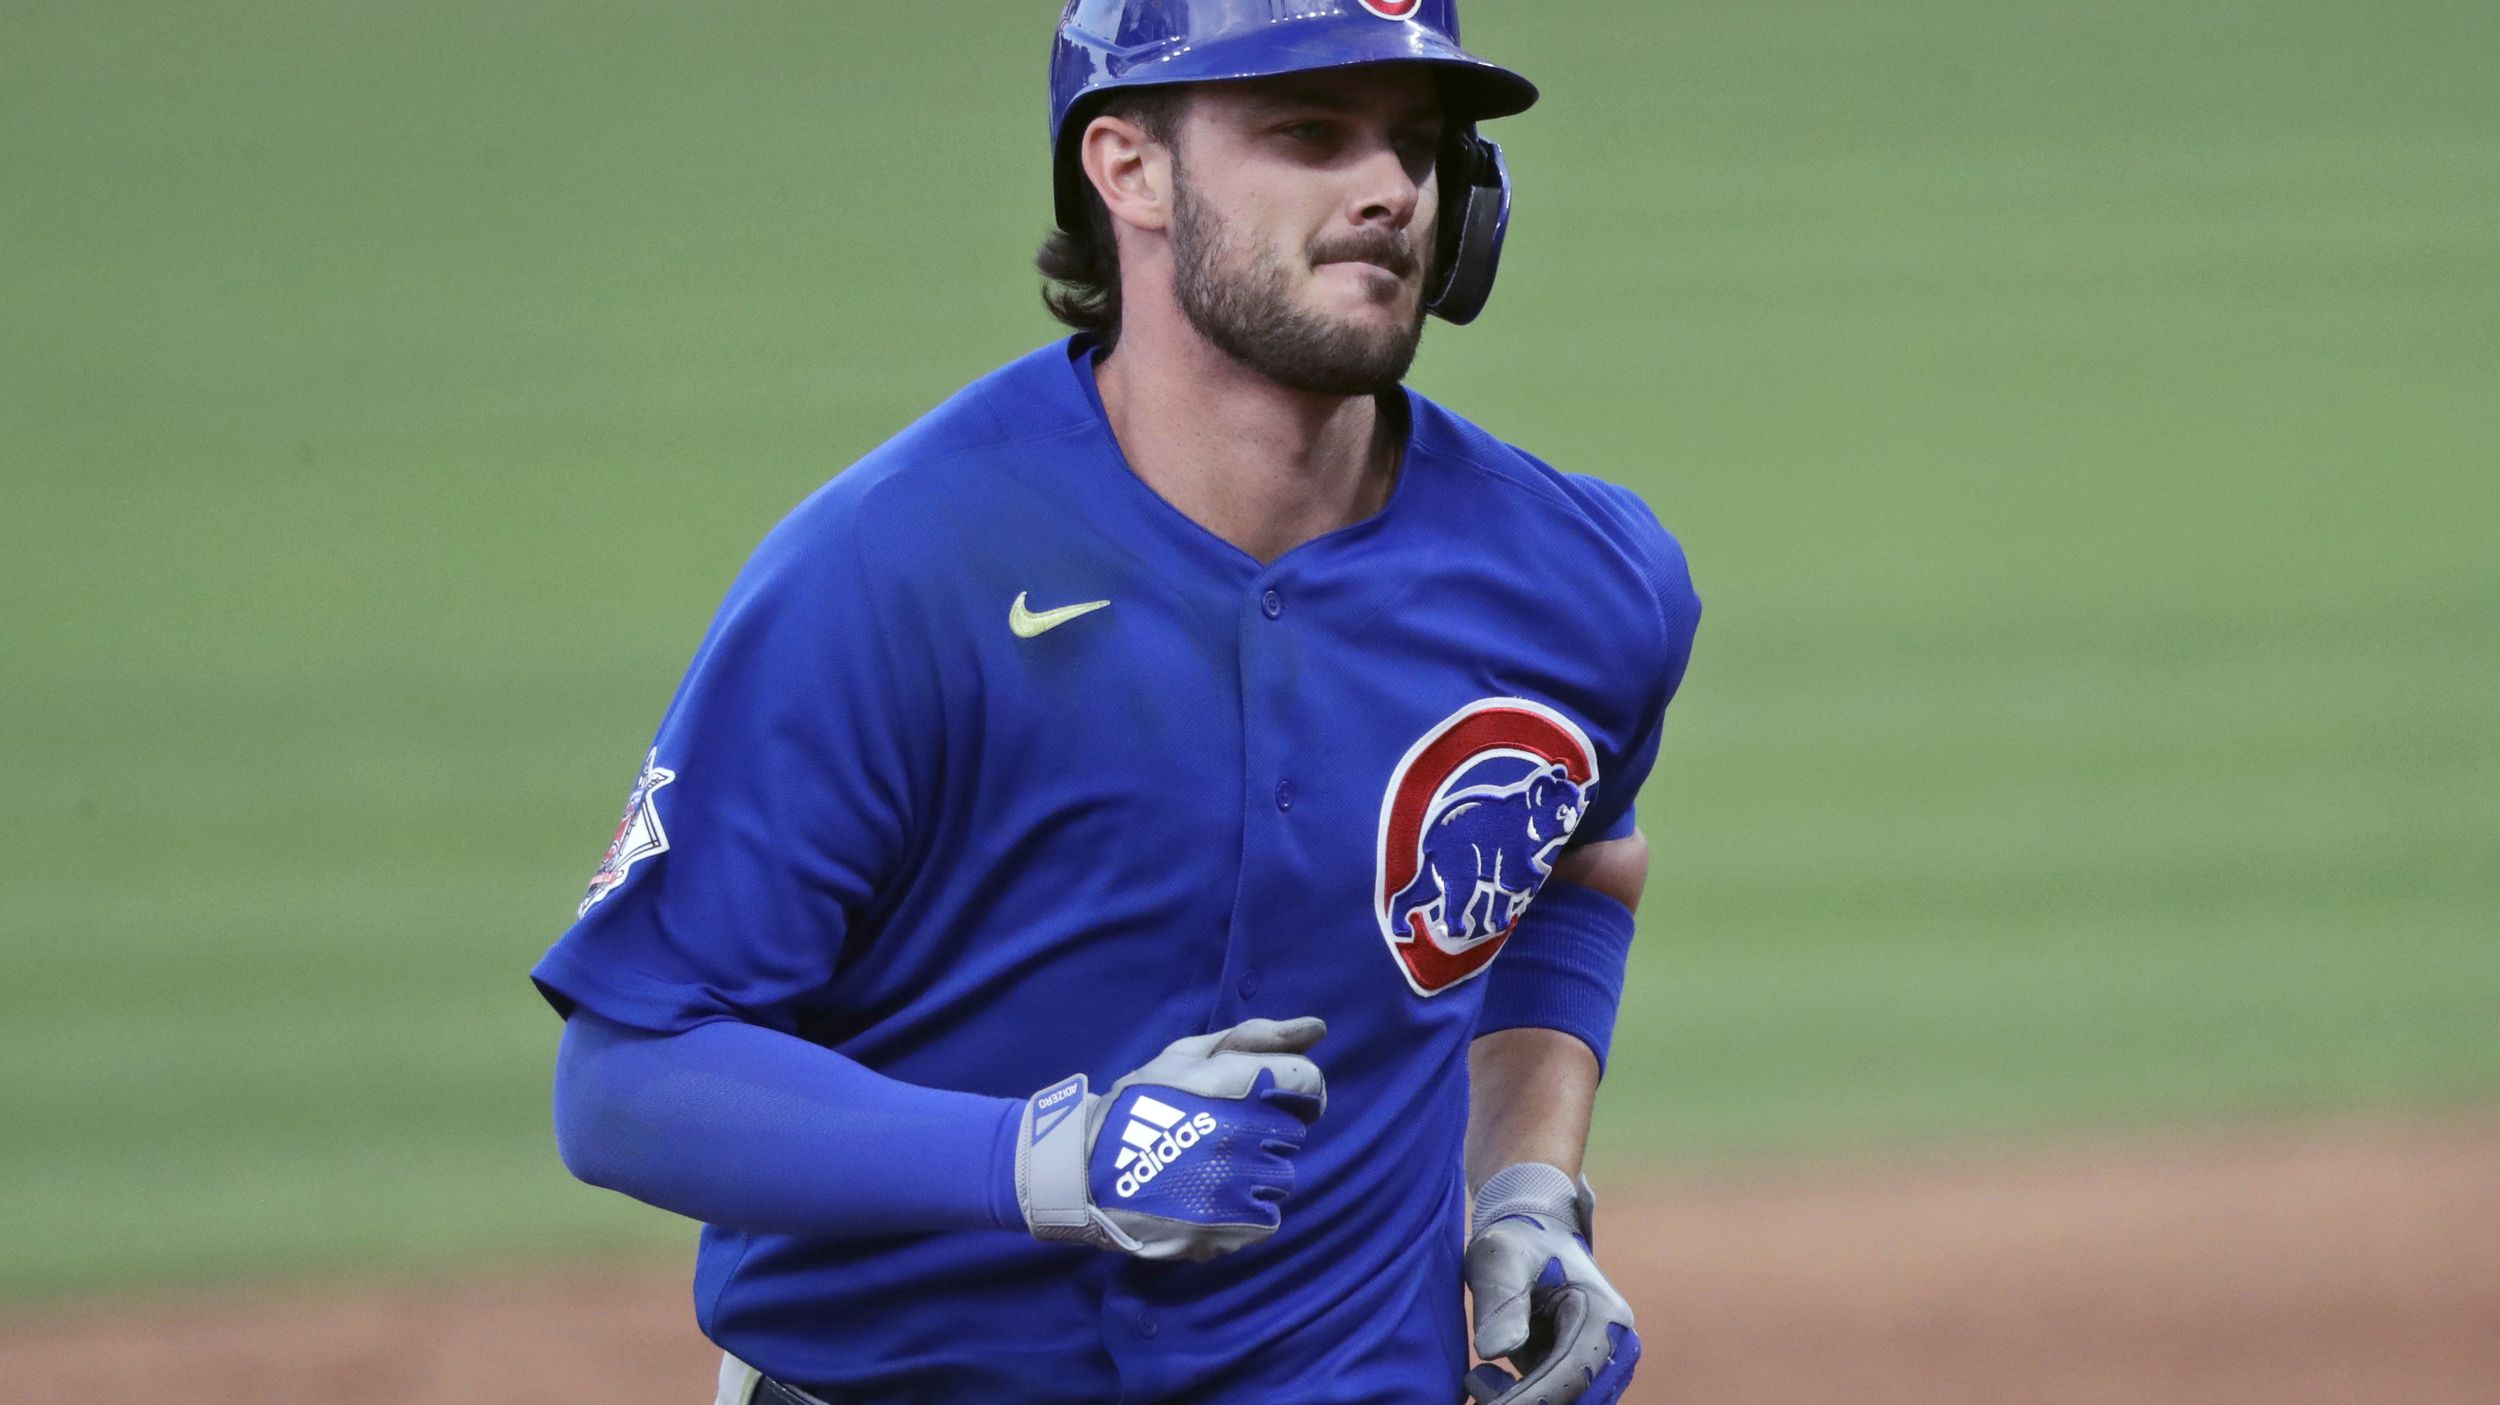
(1387, 248)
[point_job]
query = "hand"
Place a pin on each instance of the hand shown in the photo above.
(1539, 1298)
(1199, 1156)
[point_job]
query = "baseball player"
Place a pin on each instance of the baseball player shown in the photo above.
(1146, 852)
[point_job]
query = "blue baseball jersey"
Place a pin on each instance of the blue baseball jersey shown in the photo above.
(994, 768)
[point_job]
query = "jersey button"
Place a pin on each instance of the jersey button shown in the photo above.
(1147, 1326)
(1284, 795)
(1272, 604)
(1249, 982)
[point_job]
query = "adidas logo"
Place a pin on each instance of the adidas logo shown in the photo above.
(1157, 1133)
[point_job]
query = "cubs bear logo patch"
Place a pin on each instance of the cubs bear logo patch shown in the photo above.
(639, 835)
(1469, 829)
(1393, 9)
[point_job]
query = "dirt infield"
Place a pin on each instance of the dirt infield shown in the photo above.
(2345, 1264)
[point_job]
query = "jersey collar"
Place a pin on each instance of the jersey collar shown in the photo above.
(1084, 351)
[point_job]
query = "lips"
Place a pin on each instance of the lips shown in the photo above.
(1393, 259)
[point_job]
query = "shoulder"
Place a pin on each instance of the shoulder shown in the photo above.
(828, 580)
(1611, 531)
(990, 429)
(908, 497)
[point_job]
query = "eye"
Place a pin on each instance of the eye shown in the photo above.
(1419, 152)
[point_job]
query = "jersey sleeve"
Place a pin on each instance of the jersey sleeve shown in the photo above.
(1660, 559)
(777, 799)
(1563, 969)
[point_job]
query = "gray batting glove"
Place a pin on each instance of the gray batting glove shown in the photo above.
(1198, 1152)
(1539, 1298)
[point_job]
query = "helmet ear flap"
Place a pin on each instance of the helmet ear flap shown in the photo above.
(1475, 218)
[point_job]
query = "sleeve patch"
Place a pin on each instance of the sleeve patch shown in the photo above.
(639, 835)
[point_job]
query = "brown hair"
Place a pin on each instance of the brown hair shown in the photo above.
(1081, 268)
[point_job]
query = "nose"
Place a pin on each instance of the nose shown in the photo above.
(1386, 191)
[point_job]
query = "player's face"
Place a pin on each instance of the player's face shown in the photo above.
(1303, 223)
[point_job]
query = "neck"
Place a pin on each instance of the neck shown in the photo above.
(1259, 465)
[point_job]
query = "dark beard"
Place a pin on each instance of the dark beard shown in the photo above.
(1251, 317)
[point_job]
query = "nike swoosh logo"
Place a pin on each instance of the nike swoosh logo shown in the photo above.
(1029, 624)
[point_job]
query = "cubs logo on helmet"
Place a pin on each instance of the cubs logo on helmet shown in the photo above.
(1469, 828)
(1393, 9)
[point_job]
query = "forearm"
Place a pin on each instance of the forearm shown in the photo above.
(1531, 1095)
(1537, 1296)
(1535, 1087)
(748, 1128)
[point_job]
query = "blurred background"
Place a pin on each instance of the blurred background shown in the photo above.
(2083, 422)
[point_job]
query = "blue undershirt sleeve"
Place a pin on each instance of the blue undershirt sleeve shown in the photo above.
(751, 1129)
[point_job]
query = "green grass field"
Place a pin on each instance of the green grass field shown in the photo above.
(2084, 422)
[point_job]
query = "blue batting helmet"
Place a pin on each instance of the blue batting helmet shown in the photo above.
(1108, 45)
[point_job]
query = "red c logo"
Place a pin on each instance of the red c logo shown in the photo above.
(1393, 9)
(1459, 864)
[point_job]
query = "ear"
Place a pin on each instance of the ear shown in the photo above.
(1130, 170)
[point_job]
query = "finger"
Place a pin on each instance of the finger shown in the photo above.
(1487, 1382)
(1583, 1344)
(1272, 1036)
(1254, 1037)
(1291, 1083)
(1302, 1107)
(1615, 1377)
(1501, 1271)
(1251, 1076)
(1234, 1078)
(1275, 1184)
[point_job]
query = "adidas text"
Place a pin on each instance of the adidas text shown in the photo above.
(1156, 1135)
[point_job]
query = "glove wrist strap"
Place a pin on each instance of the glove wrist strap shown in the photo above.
(1050, 1164)
(1530, 1188)
(1052, 1183)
